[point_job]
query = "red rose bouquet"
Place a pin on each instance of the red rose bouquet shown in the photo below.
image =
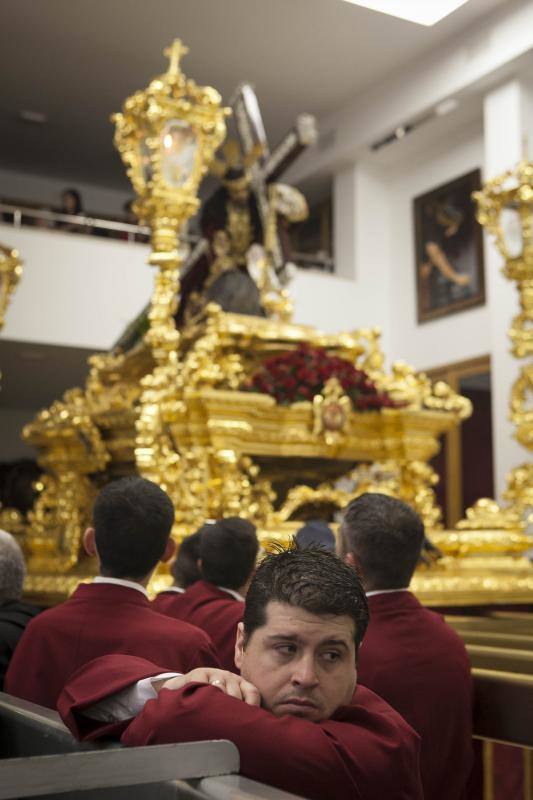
(302, 373)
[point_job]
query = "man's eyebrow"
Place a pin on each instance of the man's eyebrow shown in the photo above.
(294, 637)
(334, 642)
(278, 637)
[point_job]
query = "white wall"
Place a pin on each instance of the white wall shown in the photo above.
(76, 290)
(456, 337)
(46, 191)
(82, 291)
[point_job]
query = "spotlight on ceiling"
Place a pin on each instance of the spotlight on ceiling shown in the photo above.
(444, 107)
(33, 117)
(423, 12)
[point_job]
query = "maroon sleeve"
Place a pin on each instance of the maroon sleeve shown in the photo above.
(365, 754)
(290, 753)
(100, 678)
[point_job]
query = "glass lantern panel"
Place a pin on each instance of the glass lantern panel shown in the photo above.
(145, 161)
(178, 152)
(512, 231)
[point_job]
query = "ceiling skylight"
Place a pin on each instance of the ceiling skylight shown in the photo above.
(423, 12)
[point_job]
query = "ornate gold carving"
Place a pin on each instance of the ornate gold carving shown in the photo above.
(57, 521)
(10, 275)
(486, 514)
(505, 209)
(332, 411)
(522, 406)
(519, 491)
(70, 448)
(166, 135)
(415, 391)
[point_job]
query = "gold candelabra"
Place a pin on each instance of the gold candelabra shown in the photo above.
(166, 134)
(505, 209)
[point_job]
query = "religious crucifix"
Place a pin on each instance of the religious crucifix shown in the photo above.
(260, 168)
(270, 166)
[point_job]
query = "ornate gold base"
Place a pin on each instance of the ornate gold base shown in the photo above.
(475, 581)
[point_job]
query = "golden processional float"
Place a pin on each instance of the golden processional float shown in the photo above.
(250, 414)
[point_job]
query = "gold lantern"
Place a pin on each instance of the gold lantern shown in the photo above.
(505, 209)
(167, 135)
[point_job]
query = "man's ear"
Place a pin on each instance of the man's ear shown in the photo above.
(89, 543)
(199, 565)
(239, 645)
(170, 549)
(353, 561)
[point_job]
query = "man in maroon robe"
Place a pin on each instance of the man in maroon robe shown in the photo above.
(185, 571)
(315, 733)
(228, 551)
(132, 522)
(410, 657)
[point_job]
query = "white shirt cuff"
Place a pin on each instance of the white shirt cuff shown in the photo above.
(127, 703)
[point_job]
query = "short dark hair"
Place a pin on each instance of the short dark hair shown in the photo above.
(185, 567)
(310, 578)
(228, 550)
(76, 195)
(316, 532)
(385, 535)
(132, 520)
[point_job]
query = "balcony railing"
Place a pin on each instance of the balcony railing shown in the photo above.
(20, 215)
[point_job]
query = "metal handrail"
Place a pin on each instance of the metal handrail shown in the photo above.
(322, 260)
(73, 219)
(104, 769)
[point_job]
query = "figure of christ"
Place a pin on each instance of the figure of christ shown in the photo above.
(298, 718)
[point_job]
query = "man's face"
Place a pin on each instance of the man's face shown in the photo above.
(302, 664)
(239, 195)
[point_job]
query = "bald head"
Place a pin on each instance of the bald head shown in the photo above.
(12, 568)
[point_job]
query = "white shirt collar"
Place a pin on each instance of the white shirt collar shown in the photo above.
(386, 591)
(121, 582)
(232, 592)
(176, 589)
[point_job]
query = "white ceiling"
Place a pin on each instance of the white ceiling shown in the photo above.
(76, 60)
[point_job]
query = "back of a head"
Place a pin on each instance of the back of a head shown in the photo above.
(228, 551)
(316, 532)
(310, 578)
(12, 568)
(132, 521)
(185, 568)
(385, 536)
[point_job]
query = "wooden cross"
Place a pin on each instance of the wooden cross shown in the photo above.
(271, 165)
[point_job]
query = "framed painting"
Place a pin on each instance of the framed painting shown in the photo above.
(449, 249)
